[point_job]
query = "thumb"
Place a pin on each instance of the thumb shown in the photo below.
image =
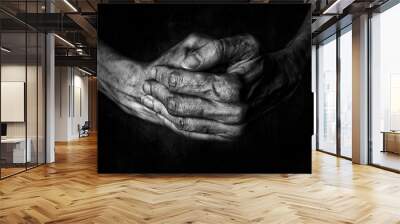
(183, 55)
(228, 50)
(203, 58)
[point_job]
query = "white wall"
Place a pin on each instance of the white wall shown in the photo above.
(9, 73)
(61, 103)
(33, 126)
(71, 102)
(80, 103)
(16, 72)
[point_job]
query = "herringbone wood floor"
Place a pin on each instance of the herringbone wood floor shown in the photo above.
(71, 191)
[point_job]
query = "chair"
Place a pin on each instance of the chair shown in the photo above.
(84, 130)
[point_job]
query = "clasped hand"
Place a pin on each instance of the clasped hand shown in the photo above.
(199, 88)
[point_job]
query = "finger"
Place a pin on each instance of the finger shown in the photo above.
(193, 127)
(128, 103)
(222, 88)
(204, 57)
(193, 135)
(188, 106)
(228, 50)
(248, 70)
(175, 56)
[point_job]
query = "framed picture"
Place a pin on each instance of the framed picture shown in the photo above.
(209, 88)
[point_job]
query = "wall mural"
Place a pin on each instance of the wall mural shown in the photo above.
(204, 88)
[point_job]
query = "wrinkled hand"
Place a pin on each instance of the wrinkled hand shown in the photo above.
(205, 105)
(182, 89)
(121, 79)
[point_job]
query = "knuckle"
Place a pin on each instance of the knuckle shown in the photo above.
(173, 105)
(157, 107)
(175, 79)
(193, 38)
(227, 89)
(197, 81)
(156, 89)
(182, 124)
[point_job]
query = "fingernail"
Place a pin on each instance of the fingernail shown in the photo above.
(147, 88)
(147, 102)
(192, 61)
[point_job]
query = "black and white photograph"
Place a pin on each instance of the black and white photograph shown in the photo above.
(204, 88)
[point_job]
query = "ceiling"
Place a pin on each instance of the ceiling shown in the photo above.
(75, 21)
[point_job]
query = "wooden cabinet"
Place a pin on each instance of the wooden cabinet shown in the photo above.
(391, 142)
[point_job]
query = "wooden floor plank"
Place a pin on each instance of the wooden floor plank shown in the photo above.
(71, 191)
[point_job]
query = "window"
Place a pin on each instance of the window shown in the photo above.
(346, 92)
(327, 95)
(334, 106)
(385, 88)
(22, 99)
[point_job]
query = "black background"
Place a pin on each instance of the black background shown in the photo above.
(279, 141)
